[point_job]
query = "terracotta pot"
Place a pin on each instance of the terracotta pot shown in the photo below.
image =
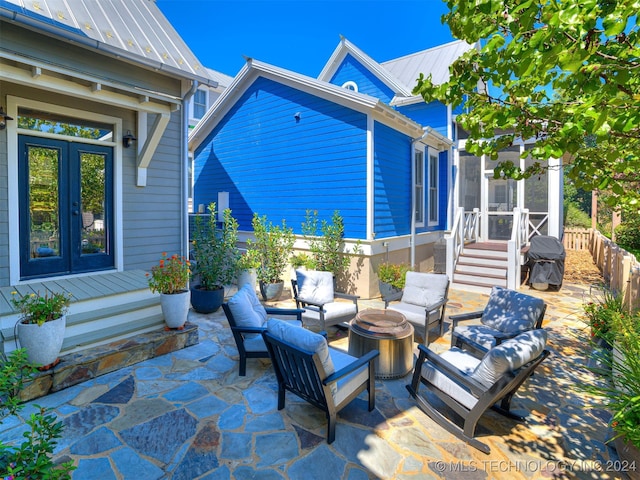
(175, 308)
(42, 342)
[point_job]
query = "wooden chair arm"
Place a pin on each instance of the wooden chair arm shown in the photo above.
(364, 360)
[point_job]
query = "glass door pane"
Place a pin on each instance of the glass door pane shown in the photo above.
(502, 200)
(44, 202)
(92, 173)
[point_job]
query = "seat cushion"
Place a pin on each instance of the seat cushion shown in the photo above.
(480, 334)
(509, 356)
(341, 311)
(246, 309)
(303, 339)
(348, 383)
(461, 360)
(424, 289)
(315, 286)
(509, 311)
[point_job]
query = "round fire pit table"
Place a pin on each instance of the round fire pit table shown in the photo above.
(388, 332)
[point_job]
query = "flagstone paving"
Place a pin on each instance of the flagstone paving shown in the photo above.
(188, 415)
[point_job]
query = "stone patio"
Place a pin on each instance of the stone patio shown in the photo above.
(187, 415)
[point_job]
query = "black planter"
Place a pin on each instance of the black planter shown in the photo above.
(206, 301)
(388, 291)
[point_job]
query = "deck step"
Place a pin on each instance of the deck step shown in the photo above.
(481, 270)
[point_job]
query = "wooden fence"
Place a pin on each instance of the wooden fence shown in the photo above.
(620, 269)
(577, 238)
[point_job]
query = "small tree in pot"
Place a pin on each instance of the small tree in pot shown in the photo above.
(273, 244)
(216, 256)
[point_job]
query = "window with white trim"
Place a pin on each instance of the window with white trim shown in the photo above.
(433, 189)
(418, 187)
(350, 85)
(199, 104)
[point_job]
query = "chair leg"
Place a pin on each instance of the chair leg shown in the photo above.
(281, 396)
(331, 427)
(243, 366)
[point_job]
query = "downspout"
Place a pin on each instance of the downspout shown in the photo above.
(413, 194)
(184, 215)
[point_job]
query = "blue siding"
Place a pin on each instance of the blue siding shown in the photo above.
(392, 182)
(352, 70)
(432, 114)
(275, 165)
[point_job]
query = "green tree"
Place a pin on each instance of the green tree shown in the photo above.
(564, 72)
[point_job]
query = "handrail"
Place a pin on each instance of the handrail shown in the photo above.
(519, 238)
(465, 227)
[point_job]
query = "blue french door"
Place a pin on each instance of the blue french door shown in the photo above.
(66, 207)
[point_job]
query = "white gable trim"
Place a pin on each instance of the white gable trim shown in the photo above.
(346, 47)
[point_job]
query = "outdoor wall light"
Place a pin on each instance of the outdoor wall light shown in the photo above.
(3, 119)
(297, 116)
(128, 139)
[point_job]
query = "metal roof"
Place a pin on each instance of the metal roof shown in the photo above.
(133, 29)
(434, 61)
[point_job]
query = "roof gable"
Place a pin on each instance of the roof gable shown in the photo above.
(254, 69)
(134, 29)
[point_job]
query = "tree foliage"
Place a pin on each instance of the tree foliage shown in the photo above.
(562, 71)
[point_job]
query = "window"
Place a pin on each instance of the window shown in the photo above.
(350, 85)
(419, 187)
(199, 104)
(433, 189)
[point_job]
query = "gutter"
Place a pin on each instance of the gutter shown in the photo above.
(184, 148)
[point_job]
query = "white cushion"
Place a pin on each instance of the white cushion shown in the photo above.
(462, 361)
(303, 339)
(510, 311)
(246, 309)
(348, 383)
(509, 356)
(333, 310)
(315, 286)
(424, 289)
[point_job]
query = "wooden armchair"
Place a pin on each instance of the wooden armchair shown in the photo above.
(323, 376)
(470, 386)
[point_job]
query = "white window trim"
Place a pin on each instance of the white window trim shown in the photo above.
(13, 103)
(350, 85)
(433, 157)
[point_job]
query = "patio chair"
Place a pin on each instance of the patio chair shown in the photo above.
(323, 376)
(314, 292)
(507, 314)
(423, 301)
(469, 386)
(247, 318)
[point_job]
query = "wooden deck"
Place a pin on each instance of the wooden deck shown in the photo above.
(83, 288)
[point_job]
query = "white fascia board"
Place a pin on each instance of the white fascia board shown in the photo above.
(404, 101)
(436, 140)
(378, 70)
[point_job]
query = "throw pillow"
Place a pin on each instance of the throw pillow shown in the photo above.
(246, 309)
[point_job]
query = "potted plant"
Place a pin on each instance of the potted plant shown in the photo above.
(32, 457)
(273, 244)
(391, 278)
(248, 268)
(215, 253)
(41, 325)
(600, 312)
(169, 278)
(618, 372)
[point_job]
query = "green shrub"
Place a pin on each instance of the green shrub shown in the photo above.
(393, 273)
(628, 234)
(574, 217)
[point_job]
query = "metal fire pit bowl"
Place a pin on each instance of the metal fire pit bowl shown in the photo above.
(388, 332)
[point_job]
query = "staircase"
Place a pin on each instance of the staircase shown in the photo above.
(480, 266)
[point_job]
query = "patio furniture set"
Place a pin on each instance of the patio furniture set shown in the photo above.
(488, 361)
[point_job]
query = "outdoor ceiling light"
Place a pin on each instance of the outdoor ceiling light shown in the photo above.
(3, 119)
(128, 139)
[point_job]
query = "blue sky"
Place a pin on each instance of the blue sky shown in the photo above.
(301, 35)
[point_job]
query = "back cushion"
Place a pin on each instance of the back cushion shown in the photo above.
(246, 309)
(510, 311)
(315, 286)
(424, 289)
(303, 339)
(509, 356)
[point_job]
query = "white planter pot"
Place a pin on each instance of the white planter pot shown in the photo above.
(175, 308)
(248, 276)
(42, 342)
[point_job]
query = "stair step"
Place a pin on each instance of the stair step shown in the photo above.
(483, 262)
(483, 254)
(500, 281)
(481, 270)
(495, 246)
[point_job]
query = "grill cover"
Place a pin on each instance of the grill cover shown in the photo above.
(546, 260)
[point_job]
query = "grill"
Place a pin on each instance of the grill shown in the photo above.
(388, 332)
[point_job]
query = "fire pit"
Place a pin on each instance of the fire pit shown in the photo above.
(388, 332)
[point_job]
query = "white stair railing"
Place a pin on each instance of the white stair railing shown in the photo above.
(519, 238)
(465, 227)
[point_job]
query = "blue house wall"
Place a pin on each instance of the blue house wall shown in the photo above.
(274, 164)
(392, 182)
(352, 70)
(433, 114)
